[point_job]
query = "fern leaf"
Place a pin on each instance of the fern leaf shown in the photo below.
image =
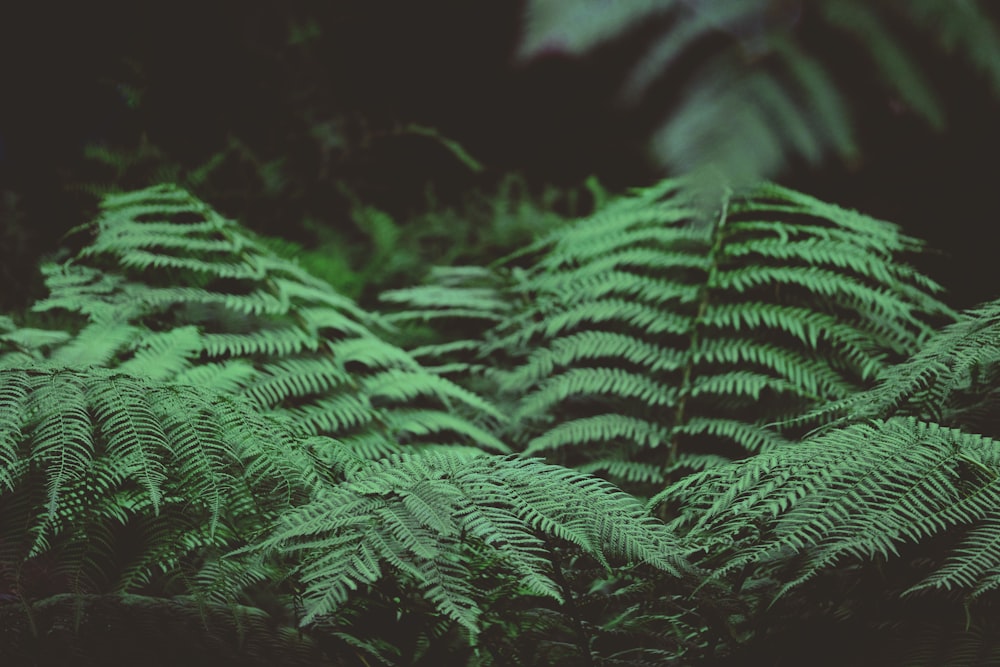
(673, 310)
(134, 435)
(409, 512)
(853, 493)
(14, 390)
(137, 477)
(171, 290)
(65, 437)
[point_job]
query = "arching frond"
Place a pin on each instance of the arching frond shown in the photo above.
(170, 290)
(703, 320)
(178, 470)
(951, 380)
(854, 493)
(421, 514)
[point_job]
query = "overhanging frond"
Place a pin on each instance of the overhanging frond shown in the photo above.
(422, 514)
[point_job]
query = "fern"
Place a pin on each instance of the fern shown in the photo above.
(899, 490)
(168, 289)
(656, 334)
(832, 497)
(148, 483)
(122, 460)
(422, 514)
(175, 441)
(951, 380)
(178, 419)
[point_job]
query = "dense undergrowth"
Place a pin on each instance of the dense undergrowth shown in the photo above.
(691, 428)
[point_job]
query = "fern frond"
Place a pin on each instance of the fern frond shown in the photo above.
(757, 92)
(65, 436)
(175, 469)
(678, 312)
(14, 391)
(949, 380)
(171, 290)
(421, 513)
(859, 492)
(973, 565)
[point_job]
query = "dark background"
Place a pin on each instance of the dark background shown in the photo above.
(215, 71)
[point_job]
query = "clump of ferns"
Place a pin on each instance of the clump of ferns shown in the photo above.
(891, 504)
(463, 529)
(668, 330)
(167, 288)
(115, 484)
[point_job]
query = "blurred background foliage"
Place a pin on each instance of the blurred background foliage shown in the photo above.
(762, 84)
(375, 138)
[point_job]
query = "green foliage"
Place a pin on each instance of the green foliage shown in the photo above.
(198, 362)
(662, 333)
(213, 425)
(944, 470)
(369, 248)
(427, 515)
(115, 483)
(951, 380)
(758, 93)
(900, 489)
(171, 290)
(857, 491)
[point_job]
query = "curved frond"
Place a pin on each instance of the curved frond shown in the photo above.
(421, 514)
(139, 477)
(706, 320)
(952, 379)
(170, 290)
(854, 493)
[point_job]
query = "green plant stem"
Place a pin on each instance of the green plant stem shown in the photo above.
(581, 633)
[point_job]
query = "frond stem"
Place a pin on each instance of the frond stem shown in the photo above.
(703, 302)
(581, 632)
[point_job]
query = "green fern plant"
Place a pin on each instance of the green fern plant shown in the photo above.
(169, 289)
(217, 426)
(427, 515)
(112, 483)
(115, 485)
(662, 334)
(900, 490)
(197, 363)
